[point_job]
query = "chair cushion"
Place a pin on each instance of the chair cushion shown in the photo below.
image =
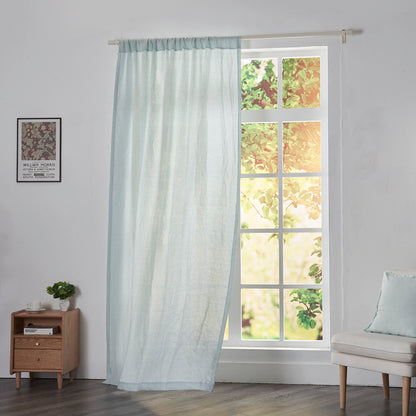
(396, 306)
(374, 345)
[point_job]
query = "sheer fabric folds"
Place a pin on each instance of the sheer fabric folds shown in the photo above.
(173, 202)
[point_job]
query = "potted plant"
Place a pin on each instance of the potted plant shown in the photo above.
(63, 291)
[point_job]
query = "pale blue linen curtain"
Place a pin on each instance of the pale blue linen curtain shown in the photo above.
(173, 202)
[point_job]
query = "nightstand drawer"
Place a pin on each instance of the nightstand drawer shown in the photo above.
(38, 343)
(37, 359)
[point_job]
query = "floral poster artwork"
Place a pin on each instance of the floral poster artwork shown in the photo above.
(39, 150)
(38, 140)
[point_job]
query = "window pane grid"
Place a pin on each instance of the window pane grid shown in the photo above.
(279, 286)
(285, 115)
(281, 213)
(268, 291)
(281, 175)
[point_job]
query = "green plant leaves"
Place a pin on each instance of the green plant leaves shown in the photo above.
(61, 290)
(259, 85)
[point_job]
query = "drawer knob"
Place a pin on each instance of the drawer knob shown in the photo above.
(38, 359)
(37, 344)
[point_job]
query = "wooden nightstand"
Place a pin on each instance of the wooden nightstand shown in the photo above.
(57, 353)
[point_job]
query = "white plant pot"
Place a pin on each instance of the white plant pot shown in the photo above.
(64, 304)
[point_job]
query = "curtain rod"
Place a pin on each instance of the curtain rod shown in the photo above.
(343, 33)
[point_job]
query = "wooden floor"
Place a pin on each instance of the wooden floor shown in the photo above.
(92, 398)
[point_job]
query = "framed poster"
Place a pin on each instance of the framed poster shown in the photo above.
(39, 149)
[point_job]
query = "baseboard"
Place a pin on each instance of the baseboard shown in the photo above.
(296, 373)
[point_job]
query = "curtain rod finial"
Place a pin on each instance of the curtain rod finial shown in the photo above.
(344, 33)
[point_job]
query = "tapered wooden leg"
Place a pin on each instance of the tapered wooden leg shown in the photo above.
(18, 376)
(59, 377)
(71, 375)
(405, 396)
(386, 386)
(342, 386)
(31, 376)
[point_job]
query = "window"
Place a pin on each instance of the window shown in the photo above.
(280, 290)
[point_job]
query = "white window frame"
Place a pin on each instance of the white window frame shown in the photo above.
(280, 116)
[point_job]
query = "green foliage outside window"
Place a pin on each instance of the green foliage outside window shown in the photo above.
(259, 148)
(259, 85)
(310, 300)
(301, 83)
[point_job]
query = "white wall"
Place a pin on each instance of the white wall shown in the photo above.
(55, 62)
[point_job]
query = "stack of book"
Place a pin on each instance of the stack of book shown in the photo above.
(40, 330)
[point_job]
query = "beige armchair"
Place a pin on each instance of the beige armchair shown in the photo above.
(388, 344)
(387, 354)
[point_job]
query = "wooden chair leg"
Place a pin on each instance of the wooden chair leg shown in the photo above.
(386, 386)
(405, 395)
(342, 386)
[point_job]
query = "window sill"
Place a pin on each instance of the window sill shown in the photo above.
(276, 348)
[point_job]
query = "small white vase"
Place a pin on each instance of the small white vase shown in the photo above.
(64, 304)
